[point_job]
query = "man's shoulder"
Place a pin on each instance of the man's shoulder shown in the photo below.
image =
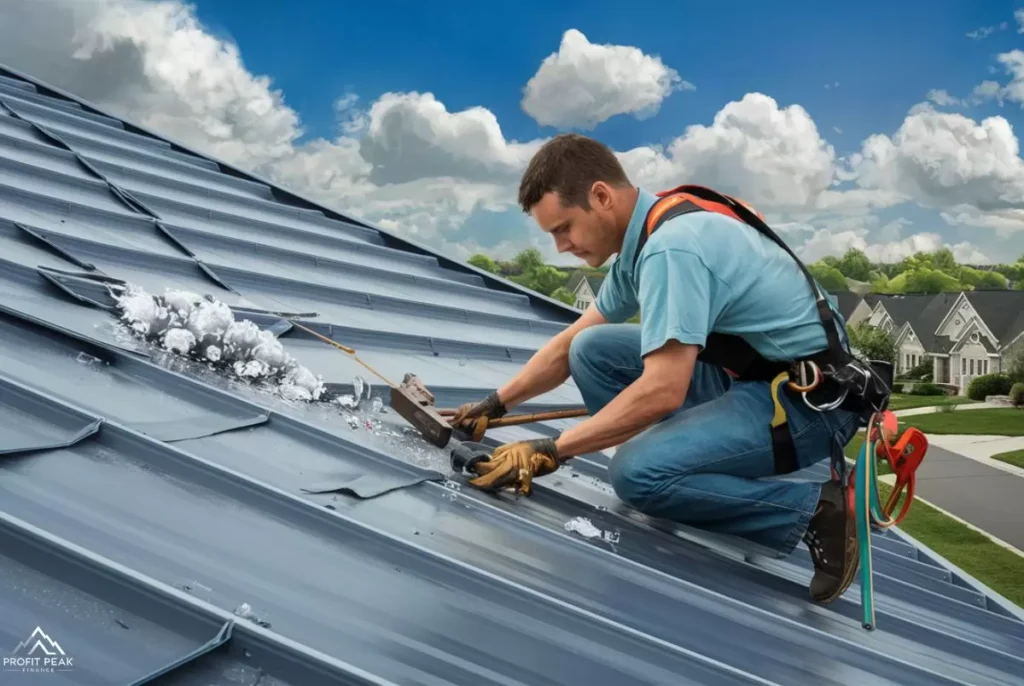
(693, 231)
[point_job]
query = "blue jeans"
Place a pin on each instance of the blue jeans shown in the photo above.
(704, 465)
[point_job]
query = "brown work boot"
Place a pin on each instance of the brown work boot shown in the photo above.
(831, 538)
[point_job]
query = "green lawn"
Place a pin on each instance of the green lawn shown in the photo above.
(903, 401)
(998, 568)
(1014, 457)
(999, 421)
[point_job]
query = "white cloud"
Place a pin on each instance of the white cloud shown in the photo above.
(986, 31)
(944, 160)
(824, 242)
(942, 98)
(584, 84)
(413, 135)
(771, 156)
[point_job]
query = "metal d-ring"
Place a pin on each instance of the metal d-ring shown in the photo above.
(818, 377)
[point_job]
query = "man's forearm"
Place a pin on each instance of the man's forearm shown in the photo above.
(549, 366)
(546, 370)
(638, 406)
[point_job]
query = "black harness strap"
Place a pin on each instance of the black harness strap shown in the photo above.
(734, 352)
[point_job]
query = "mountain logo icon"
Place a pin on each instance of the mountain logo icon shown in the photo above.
(39, 642)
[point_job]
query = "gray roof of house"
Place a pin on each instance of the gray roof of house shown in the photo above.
(1001, 310)
(927, 320)
(905, 308)
(846, 302)
(158, 515)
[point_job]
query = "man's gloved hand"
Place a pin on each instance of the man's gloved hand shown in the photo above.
(472, 417)
(514, 465)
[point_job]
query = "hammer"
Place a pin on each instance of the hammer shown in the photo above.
(411, 400)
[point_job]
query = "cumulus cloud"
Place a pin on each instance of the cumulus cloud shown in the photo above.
(772, 156)
(944, 160)
(824, 242)
(412, 136)
(584, 84)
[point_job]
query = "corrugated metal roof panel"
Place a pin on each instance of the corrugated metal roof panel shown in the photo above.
(160, 496)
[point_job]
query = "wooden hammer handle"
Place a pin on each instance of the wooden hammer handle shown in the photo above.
(517, 419)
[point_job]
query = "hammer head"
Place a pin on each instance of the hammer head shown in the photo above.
(415, 404)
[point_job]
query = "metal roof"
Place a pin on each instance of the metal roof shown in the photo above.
(159, 517)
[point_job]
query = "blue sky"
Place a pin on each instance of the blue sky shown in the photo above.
(873, 133)
(885, 56)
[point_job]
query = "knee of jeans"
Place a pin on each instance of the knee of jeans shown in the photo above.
(582, 350)
(628, 478)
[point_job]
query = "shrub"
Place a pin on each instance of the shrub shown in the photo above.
(988, 384)
(926, 388)
(923, 371)
(1017, 395)
(897, 388)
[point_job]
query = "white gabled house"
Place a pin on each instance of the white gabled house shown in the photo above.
(584, 287)
(965, 334)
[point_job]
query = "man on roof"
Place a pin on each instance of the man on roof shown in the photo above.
(697, 397)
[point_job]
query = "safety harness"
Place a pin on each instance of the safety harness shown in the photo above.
(829, 379)
(821, 377)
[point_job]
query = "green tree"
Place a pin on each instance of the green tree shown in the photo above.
(855, 265)
(982, 279)
(930, 280)
(830, 278)
(542, 278)
(564, 294)
(484, 262)
(872, 343)
(528, 259)
(943, 260)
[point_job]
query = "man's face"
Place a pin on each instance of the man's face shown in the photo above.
(588, 235)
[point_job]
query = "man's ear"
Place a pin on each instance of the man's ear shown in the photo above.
(601, 196)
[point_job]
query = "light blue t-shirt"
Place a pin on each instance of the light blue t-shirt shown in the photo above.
(702, 272)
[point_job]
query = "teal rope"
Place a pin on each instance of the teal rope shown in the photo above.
(866, 504)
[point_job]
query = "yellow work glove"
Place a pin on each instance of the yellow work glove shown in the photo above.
(514, 465)
(472, 417)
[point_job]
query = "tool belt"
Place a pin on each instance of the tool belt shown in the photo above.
(856, 387)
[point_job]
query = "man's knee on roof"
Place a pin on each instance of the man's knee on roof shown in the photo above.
(584, 349)
(635, 475)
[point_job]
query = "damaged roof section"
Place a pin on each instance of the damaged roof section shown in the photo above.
(163, 511)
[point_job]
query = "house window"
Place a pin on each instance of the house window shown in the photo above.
(963, 365)
(972, 366)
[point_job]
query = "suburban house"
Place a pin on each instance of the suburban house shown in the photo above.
(584, 286)
(964, 334)
(851, 306)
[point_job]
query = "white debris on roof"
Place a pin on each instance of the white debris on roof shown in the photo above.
(586, 528)
(204, 329)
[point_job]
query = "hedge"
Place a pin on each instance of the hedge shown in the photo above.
(988, 384)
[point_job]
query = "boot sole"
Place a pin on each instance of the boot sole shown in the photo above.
(852, 557)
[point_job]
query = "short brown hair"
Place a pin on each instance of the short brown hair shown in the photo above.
(569, 164)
